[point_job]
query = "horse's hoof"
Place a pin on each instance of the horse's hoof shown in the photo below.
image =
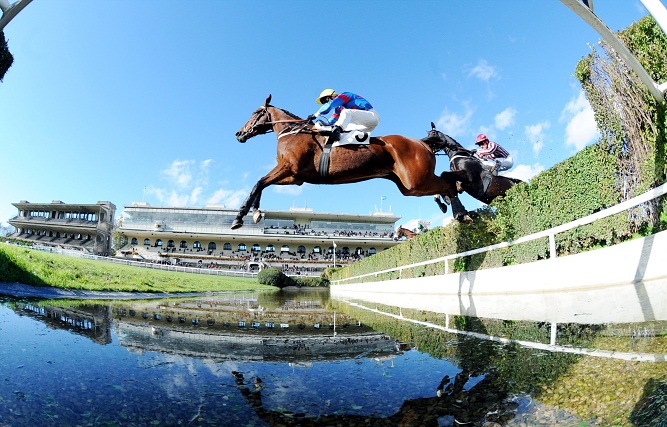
(238, 223)
(257, 216)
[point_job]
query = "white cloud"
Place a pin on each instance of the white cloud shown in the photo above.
(581, 128)
(483, 71)
(229, 198)
(178, 172)
(535, 135)
(291, 190)
(525, 172)
(176, 199)
(455, 124)
(505, 118)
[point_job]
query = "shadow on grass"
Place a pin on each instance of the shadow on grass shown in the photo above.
(10, 272)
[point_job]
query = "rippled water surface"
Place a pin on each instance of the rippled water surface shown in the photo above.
(302, 359)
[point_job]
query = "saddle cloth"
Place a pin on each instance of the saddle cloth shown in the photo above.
(353, 137)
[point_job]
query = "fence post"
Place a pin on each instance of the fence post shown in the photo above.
(552, 246)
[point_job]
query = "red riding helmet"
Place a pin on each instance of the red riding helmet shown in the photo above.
(481, 138)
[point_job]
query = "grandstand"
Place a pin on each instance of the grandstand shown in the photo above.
(83, 227)
(298, 241)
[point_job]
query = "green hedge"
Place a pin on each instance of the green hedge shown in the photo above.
(628, 159)
(6, 58)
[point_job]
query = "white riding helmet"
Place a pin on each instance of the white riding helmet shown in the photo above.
(324, 94)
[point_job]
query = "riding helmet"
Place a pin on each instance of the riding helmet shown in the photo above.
(481, 138)
(324, 94)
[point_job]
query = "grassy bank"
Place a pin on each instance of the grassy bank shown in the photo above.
(37, 268)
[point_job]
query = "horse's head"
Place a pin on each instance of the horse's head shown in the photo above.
(258, 124)
(439, 141)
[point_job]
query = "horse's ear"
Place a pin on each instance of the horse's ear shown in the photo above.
(432, 126)
(268, 100)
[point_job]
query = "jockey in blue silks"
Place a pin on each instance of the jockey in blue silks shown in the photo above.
(349, 112)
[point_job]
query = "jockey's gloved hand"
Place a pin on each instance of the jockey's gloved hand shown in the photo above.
(473, 151)
(310, 118)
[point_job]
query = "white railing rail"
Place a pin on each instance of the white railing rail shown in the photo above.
(551, 233)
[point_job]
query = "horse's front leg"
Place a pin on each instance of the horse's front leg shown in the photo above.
(251, 200)
(440, 203)
(459, 212)
(256, 213)
(281, 174)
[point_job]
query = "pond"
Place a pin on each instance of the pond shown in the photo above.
(302, 358)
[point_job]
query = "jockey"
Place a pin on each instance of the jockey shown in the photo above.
(349, 112)
(494, 157)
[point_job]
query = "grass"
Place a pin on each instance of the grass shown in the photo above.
(30, 267)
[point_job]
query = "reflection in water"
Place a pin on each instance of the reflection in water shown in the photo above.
(302, 359)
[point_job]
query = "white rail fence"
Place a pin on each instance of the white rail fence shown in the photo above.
(550, 233)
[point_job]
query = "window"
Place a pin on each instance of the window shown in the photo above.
(196, 244)
(211, 246)
(147, 242)
(242, 247)
(170, 244)
(359, 251)
(317, 250)
(284, 248)
(345, 251)
(158, 242)
(330, 250)
(134, 241)
(256, 248)
(270, 248)
(227, 247)
(301, 249)
(371, 251)
(184, 244)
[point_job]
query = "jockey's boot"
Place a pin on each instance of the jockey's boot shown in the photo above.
(495, 168)
(335, 134)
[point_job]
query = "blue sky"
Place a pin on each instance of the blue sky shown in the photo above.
(140, 100)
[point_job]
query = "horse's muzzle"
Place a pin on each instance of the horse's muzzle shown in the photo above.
(241, 136)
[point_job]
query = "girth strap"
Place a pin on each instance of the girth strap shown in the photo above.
(324, 159)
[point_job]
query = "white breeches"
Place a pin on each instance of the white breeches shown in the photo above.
(503, 164)
(362, 120)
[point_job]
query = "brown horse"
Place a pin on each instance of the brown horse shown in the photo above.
(408, 162)
(404, 232)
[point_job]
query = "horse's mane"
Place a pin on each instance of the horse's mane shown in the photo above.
(294, 116)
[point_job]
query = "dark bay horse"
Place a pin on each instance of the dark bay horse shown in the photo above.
(462, 159)
(408, 162)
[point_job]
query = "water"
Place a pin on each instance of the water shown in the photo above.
(338, 363)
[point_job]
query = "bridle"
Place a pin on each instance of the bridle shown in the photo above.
(268, 123)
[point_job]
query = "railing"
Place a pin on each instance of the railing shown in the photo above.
(551, 233)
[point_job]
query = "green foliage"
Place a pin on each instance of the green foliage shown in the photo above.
(6, 58)
(274, 277)
(310, 282)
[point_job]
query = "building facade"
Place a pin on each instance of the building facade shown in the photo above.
(85, 227)
(298, 239)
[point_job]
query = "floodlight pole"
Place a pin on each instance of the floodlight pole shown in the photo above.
(10, 10)
(587, 15)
